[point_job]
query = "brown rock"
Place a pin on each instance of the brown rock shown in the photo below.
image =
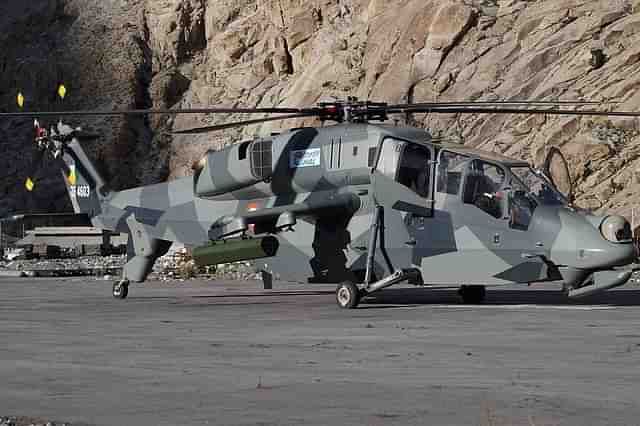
(591, 204)
(375, 8)
(442, 83)
(449, 24)
(302, 26)
(604, 192)
(528, 125)
(175, 29)
(623, 178)
(600, 176)
(192, 53)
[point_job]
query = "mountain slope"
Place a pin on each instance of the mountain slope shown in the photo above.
(191, 53)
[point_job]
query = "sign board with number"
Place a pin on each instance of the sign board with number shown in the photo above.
(304, 158)
(80, 191)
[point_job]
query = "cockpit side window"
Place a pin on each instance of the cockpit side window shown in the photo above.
(408, 164)
(414, 169)
(390, 157)
(450, 169)
(482, 187)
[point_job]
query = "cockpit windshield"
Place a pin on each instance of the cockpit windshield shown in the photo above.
(536, 185)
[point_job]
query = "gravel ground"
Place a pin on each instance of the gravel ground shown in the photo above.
(165, 268)
(28, 421)
(86, 265)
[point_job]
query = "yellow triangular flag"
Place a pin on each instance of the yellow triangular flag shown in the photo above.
(72, 175)
(29, 184)
(62, 91)
(20, 100)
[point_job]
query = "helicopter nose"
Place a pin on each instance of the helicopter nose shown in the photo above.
(592, 242)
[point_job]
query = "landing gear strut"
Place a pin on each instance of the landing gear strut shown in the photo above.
(121, 289)
(348, 294)
(472, 294)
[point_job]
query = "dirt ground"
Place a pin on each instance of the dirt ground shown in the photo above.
(195, 353)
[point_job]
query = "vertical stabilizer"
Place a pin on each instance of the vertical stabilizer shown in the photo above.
(85, 186)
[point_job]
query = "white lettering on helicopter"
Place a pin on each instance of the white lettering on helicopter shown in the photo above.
(80, 191)
(304, 158)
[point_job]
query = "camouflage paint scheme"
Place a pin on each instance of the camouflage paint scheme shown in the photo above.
(320, 182)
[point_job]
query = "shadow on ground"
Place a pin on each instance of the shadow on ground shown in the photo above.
(503, 297)
(426, 296)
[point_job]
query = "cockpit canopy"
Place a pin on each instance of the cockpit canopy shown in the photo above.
(536, 185)
(501, 187)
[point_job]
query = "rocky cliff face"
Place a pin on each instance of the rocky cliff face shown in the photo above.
(192, 53)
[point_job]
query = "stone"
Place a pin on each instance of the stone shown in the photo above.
(605, 193)
(598, 58)
(635, 176)
(623, 178)
(375, 8)
(301, 27)
(590, 204)
(442, 83)
(449, 23)
(528, 125)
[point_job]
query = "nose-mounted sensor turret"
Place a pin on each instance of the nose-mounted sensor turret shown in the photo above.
(616, 229)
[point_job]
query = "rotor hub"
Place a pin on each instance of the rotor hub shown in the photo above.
(352, 111)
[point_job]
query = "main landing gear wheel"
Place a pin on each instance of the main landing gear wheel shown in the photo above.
(472, 294)
(121, 289)
(348, 295)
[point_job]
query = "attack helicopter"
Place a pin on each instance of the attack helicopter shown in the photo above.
(361, 204)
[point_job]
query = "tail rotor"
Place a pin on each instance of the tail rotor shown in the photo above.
(39, 149)
(50, 142)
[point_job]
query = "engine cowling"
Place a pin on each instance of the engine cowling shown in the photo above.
(233, 168)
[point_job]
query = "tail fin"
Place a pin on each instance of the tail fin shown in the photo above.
(85, 186)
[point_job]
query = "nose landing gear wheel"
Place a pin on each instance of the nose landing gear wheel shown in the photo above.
(472, 294)
(348, 295)
(121, 289)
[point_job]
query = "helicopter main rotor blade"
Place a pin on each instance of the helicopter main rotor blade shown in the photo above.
(352, 110)
(159, 112)
(496, 103)
(501, 110)
(282, 110)
(207, 129)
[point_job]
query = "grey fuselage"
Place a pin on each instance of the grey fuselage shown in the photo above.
(316, 189)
